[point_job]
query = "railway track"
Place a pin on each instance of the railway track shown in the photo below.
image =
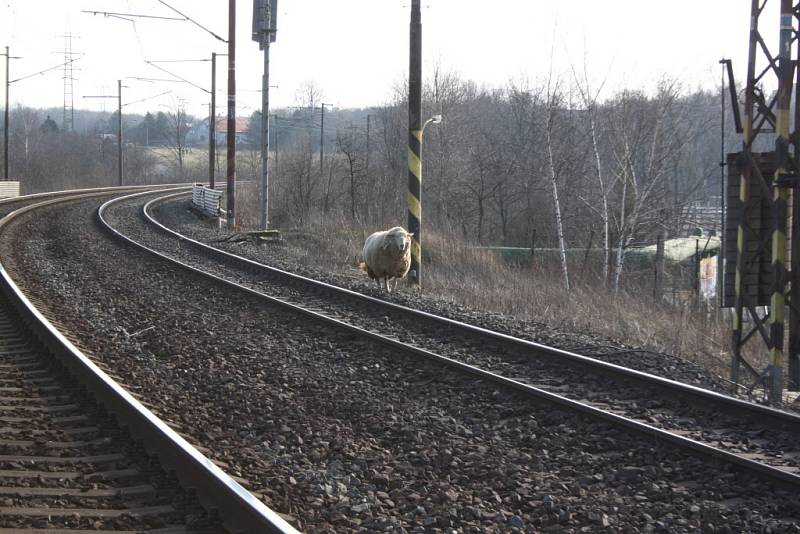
(80, 454)
(63, 463)
(345, 434)
(755, 438)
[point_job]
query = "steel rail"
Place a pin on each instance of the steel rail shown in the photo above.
(775, 475)
(767, 416)
(66, 192)
(238, 509)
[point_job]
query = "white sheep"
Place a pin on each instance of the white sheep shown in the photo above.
(387, 254)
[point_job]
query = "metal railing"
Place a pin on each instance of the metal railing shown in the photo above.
(206, 200)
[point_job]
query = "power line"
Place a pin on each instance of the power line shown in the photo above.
(141, 79)
(123, 15)
(193, 21)
(136, 32)
(176, 76)
(60, 65)
(177, 60)
(146, 98)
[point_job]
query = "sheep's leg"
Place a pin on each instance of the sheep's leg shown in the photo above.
(395, 283)
(386, 281)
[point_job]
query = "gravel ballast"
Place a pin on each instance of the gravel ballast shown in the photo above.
(340, 434)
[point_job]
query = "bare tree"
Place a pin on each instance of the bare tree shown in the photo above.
(552, 103)
(646, 138)
(309, 95)
(173, 130)
(589, 99)
(346, 143)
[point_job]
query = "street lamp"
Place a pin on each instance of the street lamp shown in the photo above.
(436, 119)
(415, 207)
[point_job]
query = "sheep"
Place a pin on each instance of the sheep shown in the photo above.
(387, 254)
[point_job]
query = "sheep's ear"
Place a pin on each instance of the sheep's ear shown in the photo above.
(411, 234)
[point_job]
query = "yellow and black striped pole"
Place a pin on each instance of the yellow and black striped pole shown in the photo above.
(745, 165)
(780, 198)
(415, 142)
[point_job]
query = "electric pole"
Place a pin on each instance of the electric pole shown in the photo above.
(267, 36)
(119, 127)
(5, 122)
(212, 122)
(231, 137)
(119, 130)
(5, 116)
(414, 141)
(68, 112)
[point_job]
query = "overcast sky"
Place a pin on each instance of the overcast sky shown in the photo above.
(356, 51)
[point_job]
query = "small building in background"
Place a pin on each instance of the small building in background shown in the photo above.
(197, 135)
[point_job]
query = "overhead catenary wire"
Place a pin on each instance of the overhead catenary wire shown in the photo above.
(176, 76)
(136, 33)
(146, 98)
(60, 65)
(123, 15)
(177, 60)
(142, 79)
(193, 21)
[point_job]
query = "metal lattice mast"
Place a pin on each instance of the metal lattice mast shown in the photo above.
(764, 199)
(68, 116)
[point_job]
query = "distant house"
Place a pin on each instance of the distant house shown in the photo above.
(198, 135)
(242, 124)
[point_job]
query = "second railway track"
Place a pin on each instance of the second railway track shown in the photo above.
(754, 437)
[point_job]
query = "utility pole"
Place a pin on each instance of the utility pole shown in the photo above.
(231, 137)
(119, 130)
(266, 36)
(722, 192)
(212, 122)
(5, 122)
(265, 13)
(414, 141)
(784, 179)
(5, 116)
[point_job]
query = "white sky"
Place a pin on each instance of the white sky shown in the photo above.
(356, 51)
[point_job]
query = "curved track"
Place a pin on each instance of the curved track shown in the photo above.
(753, 437)
(68, 465)
(344, 434)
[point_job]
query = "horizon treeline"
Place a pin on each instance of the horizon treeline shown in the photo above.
(546, 165)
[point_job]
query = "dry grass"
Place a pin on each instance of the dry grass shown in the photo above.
(481, 280)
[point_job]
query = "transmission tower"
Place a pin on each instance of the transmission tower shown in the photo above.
(68, 117)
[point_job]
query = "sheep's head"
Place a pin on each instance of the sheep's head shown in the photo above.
(399, 240)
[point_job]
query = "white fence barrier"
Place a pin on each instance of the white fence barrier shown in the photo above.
(9, 189)
(206, 200)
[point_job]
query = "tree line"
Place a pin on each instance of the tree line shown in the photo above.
(555, 164)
